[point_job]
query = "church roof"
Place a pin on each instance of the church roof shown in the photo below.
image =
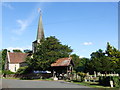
(40, 34)
(35, 41)
(16, 57)
(62, 62)
(40, 31)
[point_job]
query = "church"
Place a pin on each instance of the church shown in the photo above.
(40, 34)
(15, 60)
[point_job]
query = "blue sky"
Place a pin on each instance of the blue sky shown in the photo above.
(85, 26)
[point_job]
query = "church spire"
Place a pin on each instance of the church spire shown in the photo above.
(40, 31)
(40, 34)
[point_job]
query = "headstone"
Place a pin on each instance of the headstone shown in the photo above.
(85, 80)
(89, 79)
(117, 74)
(87, 73)
(55, 78)
(111, 74)
(94, 74)
(111, 83)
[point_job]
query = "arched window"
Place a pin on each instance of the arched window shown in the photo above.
(15, 67)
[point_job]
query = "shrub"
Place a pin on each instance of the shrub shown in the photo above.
(7, 72)
(116, 81)
(23, 70)
(105, 80)
(82, 75)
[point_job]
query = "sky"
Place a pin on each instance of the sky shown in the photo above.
(84, 26)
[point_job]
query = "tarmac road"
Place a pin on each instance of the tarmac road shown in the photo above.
(12, 83)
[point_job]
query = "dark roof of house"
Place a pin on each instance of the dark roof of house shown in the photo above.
(62, 62)
(35, 41)
(17, 57)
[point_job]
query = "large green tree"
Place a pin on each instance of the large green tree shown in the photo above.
(108, 61)
(48, 52)
(79, 63)
(101, 63)
(114, 55)
(76, 61)
(83, 63)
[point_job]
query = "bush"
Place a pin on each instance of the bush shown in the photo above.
(7, 72)
(105, 80)
(116, 81)
(23, 70)
(82, 75)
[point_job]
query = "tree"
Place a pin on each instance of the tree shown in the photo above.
(48, 52)
(83, 63)
(0, 61)
(17, 50)
(79, 63)
(107, 61)
(27, 51)
(100, 62)
(76, 61)
(4, 54)
(114, 55)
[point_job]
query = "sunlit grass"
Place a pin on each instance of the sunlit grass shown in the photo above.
(91, 84)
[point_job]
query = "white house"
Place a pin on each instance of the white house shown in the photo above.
(15, 60)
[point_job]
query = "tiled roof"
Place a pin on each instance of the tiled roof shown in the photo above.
(62, 62)
(17, 57)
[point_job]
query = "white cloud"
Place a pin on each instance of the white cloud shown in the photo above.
(87, 43)
(22, 26)
(81, 56)
(7, 5)
(14, 38)
(20, 48)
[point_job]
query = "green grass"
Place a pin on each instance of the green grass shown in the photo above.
(91, 84)
(11, 78)
(48, 79)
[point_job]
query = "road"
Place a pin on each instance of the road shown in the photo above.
(12, 83)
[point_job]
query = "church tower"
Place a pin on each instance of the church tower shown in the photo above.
(40, 34)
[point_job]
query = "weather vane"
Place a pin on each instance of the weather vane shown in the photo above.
(39, 10)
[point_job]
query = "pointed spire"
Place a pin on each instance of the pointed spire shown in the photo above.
(40, 31)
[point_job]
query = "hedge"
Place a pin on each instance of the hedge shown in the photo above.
(105, 80)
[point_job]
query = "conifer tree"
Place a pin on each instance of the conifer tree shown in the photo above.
(48, 52)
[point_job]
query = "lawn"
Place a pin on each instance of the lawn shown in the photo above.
(91, 84)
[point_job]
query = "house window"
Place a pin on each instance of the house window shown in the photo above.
(15, 67)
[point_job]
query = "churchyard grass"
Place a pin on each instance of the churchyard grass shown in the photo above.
(91, 84)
